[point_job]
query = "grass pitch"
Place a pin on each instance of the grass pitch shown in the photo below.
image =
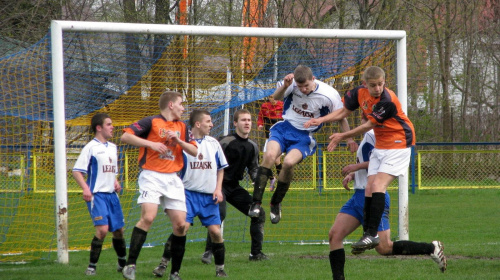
(466, 221)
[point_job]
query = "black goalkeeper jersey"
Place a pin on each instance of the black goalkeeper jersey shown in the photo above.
(240, 154)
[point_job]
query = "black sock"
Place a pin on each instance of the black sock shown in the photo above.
(375, 213)
(278, 170)
(177, 248)
(337, 263)
(121, 250)
(95, 251)
(263, 175)
(208, 243)
(366, 214)
(219, 251)
(167, 254)
(412, 248)
(136, 241)
(279, 192)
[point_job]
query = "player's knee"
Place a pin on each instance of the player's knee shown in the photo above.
(118, 234)
(287, 165)
(179, 228)
(268, 160)
(334, 235)
(216, 236)
(147, 219)
(383, 249)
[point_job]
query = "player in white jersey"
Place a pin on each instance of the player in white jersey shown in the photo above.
(202, 177)
(99, 161)
(351, 216)
(305, 98)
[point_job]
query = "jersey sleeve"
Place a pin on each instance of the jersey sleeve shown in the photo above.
(384, 111)
(253, 165)
(83, 161)
(140, 128)
(220, 157)
(351, 102)
(366, 150)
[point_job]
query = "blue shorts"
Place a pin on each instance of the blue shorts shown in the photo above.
(355, 205)
(105, 209)
(291, 138)
(203, 206)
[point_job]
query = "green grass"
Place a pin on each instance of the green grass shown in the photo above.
(466, 221)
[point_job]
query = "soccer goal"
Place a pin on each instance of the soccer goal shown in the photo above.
(121, 68)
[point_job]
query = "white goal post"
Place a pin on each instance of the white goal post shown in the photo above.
(58, 87)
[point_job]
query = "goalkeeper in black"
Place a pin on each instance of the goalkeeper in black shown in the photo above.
(241, 153)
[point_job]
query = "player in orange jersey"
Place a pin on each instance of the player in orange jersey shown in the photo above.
(394, 134)
(161, 140)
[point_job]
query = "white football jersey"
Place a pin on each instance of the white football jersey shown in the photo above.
(100, 162)
(298, 108)
(363, 154)
(199, 173)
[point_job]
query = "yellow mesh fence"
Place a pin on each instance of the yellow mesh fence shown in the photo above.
(124, 75)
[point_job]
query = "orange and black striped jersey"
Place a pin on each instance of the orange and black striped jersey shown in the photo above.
(154, 128)
(393, 129)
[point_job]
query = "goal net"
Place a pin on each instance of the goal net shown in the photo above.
(122, 69)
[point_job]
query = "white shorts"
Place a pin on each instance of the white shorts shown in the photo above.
(394, 162)
(165, 189)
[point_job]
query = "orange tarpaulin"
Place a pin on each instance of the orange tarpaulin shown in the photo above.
(183, 20)
(252, 15)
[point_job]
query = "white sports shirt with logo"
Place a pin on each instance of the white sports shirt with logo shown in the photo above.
(298, 108)
(363, 154)
(199, 173)
(100, 162)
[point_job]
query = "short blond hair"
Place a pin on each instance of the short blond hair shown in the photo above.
(166, 97)
(373, 72)
(237, 114)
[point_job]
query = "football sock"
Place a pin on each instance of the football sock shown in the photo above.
(167, 254)
(337, 263)
(121, 250)
(219, 251)
(278, 169)
(136, 241)
(263, 174)
(279, 192)
(366, 214)
(375, 213)
(95, 251)
(412, 248)
(178, 248)
(208, 243)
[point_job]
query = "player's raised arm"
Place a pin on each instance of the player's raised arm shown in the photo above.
(279, 93)
(336, 115)
(337, 137)
(344, 127)
(137, 141)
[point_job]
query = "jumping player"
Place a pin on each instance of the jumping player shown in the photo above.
(350, 218)
(304, 98)
(394, 134)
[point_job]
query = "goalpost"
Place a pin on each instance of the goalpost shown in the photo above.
(58, 28)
